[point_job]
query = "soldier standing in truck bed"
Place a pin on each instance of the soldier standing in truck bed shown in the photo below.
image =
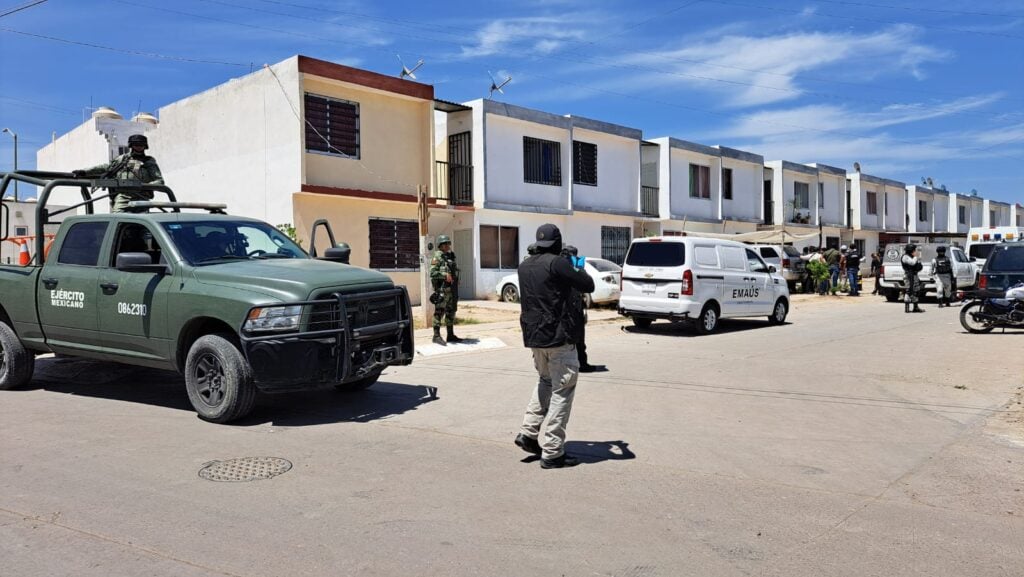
(444, 276)
(133, 165)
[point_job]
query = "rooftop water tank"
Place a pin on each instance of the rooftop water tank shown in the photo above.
(106, 112)
(145, 117)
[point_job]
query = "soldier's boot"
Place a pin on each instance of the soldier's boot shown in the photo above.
(906, 306)
(917, 309)
(451, 336)
(437, 336)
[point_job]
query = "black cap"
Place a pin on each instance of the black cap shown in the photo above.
(548, 235)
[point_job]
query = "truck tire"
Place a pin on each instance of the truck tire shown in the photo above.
(707, 323)
(642, 323)
(892, 295)
(16, 362)
(219, 380)
(363, 383)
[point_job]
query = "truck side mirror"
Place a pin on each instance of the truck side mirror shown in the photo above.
(973, 259)
(772, 269)
(138, 262)
(338, 254)
(5, 220)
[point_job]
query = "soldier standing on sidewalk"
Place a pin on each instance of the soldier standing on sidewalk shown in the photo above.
(444, 276)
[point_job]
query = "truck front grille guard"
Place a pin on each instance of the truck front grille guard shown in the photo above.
(350, 321)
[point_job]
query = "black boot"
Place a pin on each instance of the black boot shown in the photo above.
(906, 307)
(917, 309)
(451, 336)
(437, 336)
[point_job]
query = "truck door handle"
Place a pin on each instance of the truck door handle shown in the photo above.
(50, 283)
(109, 288)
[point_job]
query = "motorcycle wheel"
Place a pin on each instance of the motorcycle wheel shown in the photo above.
(972, 324)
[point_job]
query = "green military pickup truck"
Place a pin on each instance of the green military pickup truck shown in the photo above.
(230, 302)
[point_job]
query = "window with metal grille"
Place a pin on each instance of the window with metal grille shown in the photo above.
(872, 203)
(332, 126)
(584, 163)
(962, 214)
(922, 211)
(499, 247)
(727, 183)
(861, 246)
(394, 244)
(615, 242)
(542, 161)
(801, 195)
(700, 181)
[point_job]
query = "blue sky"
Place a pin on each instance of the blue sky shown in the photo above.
(907, 88)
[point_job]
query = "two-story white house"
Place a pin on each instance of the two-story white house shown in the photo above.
(689, 181)
(531, 167)
(794, 193)
(921, 209)
(740, 183)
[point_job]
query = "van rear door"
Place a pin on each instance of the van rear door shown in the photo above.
(654, 270)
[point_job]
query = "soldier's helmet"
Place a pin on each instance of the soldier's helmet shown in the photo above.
(443, 239)
(940, 249)
(138, 139)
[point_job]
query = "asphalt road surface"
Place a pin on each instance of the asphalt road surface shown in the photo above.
(856, 440)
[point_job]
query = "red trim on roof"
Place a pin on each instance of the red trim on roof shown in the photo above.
(364, 78)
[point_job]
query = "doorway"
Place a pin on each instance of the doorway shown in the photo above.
(463, 247)
(769, 206)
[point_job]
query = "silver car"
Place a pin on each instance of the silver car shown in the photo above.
(785, 259)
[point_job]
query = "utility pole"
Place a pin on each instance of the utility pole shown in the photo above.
(425, 285)
(15, 135)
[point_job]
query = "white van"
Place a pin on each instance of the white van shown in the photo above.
(981, 240)
(699, 280)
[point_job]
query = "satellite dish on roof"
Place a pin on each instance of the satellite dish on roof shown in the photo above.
(495, 86)
(856, 166)
(406, 71)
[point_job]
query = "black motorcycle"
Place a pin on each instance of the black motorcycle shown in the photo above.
(983, 315)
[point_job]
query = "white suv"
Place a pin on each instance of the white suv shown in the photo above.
(699, 280)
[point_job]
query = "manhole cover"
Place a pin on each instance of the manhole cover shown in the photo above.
(244, 469)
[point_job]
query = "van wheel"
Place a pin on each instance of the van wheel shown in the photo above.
(708, 321)
(779, 313)
(363, 383)
(219, 380)
(642, 323)
(509, 293)
(892, 295)
(16, 362)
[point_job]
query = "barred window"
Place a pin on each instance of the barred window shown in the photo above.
(700, 181)
(872, 203)
(394, 244)
(801, 195)
(615, 242)
(922, 211)
(584, 163)
(962, 214)
(542, 161)
(332, 126)
(499, 247)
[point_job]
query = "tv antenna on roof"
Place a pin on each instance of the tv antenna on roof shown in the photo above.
(496, 86)
(406, 71)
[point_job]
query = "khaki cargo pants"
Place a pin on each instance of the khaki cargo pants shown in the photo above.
(558, 368)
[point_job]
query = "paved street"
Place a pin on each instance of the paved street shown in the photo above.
(855, 440)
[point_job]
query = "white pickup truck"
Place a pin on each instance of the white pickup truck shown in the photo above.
(892, 283)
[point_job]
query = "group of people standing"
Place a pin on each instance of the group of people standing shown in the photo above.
(842, 263)
(942, 272)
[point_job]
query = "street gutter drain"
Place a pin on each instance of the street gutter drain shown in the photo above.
(244, 469)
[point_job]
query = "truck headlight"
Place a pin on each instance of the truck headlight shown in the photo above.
(274, 319)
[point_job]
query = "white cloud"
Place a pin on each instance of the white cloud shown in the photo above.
(542, 35)
(728, 64)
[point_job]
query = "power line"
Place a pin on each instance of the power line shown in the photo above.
(25, 6)
(918, 9)
(874, 20)
(582, 60)
(39, 105)
(123, 50)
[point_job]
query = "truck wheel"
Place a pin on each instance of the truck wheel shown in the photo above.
(892, 295)
(363, 383)
(642, 323)
(779, 313)
(219, 380)
(708, 321)
(16, 362)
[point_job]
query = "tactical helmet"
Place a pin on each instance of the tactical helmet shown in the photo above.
(443, 239)
(138, 139)
(910, 248)
(940, 249)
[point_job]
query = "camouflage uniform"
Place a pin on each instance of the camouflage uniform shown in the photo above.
(128, 166)
(443, 264)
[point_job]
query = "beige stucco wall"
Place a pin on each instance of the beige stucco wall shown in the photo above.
(349, 218)
(395, 148)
